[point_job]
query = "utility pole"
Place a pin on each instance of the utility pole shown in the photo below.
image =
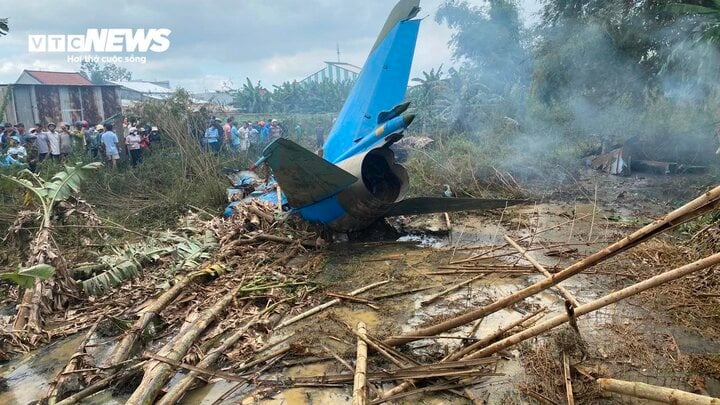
(338, 52)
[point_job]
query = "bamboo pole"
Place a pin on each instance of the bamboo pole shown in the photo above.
(72, 366)
(493, 336)
(360, 381)
(176, 392)
(699, 206)
(597, 304)
(452, 288)
(157, 373)
(280, 239)
(454, 357)
(122, 350)
(101, 384)
(565, 293)
(328, 304)
(655, 393)
(568, 379)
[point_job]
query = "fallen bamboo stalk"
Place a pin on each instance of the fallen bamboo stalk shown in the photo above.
(564, 292)
(71, 367)
(597, 304)
(479, 271)
(654, 393)
(176, 392)
(493, 336)
(568, 379)
(399, 374)
(430, 388)
(450, 289)
(350, 298)
(533, 234)
(280, 239)
(443, 337)
(349, 367)
(267, 217)
(100, 385)
(360, 380)
(498, 267)
(699, 206)
(328, 304)
(122, 350)
(398, 293)
(195, 369)
(157, 373)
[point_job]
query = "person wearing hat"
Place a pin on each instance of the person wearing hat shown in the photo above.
(110, 142)
(54, 142)
(133, 141)
(276, 130)
(96, 142)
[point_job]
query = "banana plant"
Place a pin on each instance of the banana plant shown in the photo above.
(45, 194)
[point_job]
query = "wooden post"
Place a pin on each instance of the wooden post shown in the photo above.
(565, 293)
(655, 393)
(360, 382)
(597, 304)
(568, 380)
(699, 206)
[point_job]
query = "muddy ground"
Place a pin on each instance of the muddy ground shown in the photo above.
(638, 339)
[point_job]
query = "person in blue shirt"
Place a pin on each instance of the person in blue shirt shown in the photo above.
(265, 132)
(110, 142)
(235, 137)
(212, 136)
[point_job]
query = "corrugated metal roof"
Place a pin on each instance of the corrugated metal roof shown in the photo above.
(60, 78)
(347, 66)
(144, 87)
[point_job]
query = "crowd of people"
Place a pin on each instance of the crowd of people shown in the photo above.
(239, 137)
(29, 148)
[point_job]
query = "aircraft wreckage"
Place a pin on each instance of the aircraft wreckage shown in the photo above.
(354, 180)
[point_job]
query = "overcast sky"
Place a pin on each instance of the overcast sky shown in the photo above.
(224, 41)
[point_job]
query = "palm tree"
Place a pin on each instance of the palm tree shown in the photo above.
(707, 14)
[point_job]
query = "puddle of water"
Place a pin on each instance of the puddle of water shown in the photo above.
(27, 378)
(423, 241)
(353, 315)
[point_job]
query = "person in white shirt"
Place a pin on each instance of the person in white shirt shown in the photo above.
(244, 136)
(41, 141)
(133, 144)
(54, 142)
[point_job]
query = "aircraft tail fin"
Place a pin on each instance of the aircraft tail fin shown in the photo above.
(304, 177)
(429, 205)
(381, 84)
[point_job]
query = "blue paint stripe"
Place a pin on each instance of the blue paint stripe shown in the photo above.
(325, 211)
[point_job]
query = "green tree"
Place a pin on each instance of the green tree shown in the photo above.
(489, 39)
(705, 14)
(103, 74)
